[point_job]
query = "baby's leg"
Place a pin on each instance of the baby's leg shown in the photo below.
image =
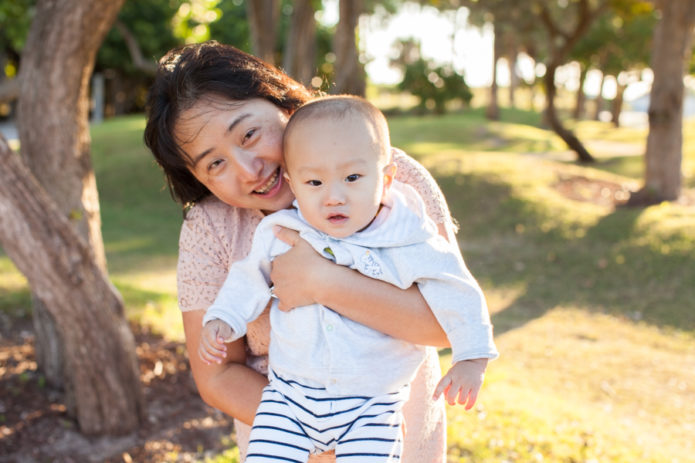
(275, 435)
(376, 436)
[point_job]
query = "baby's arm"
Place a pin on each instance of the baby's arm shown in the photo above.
(462, 381)
(212, 347)
(241, 299)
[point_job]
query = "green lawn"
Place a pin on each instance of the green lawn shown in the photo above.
(592, 305)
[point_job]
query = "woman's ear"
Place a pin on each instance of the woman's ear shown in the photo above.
(389, 175)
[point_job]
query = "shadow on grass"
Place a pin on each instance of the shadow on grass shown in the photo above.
(610, 267)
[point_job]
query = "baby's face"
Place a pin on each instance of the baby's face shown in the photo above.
(337, 174)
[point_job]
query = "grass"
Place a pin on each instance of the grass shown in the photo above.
(592, 305)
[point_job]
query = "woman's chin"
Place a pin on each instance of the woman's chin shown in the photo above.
(281, 200)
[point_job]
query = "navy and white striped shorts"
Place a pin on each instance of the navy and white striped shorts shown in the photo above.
(295, 420)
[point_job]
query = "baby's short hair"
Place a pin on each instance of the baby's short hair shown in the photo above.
(341, 107)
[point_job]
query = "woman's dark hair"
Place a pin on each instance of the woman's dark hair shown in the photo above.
(211, 69)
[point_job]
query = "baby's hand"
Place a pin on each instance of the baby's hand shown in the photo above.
(463, 380)
(212, 348)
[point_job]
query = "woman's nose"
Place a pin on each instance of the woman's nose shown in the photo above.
(249, 166)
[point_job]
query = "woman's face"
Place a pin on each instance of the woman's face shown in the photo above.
(235, 148)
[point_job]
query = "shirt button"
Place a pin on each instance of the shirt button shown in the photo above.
(329, 328)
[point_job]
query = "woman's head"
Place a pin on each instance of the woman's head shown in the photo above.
(203, 83)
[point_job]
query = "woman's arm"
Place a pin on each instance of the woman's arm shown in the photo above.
(231, 387)
(301, 277)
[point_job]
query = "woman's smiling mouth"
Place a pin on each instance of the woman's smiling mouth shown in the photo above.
(272, 182)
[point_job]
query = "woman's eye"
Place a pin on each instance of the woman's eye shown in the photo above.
(314, 182)
(215, 164)
(248, 135)
(352, 177)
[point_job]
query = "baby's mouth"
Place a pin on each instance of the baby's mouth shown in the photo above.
(337, 218)
(272, 182)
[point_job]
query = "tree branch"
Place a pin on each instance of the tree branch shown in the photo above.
(585, 17)
(147, 66)
(547, 20)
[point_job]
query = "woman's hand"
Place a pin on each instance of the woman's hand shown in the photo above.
(302, 277)
(296, 273)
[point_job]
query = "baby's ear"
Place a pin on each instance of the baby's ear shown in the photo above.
(286, 176)
(389, 175)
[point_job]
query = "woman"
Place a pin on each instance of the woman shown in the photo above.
(216, 117)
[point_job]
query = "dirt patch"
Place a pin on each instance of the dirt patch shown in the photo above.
(607, 193)
(35, 427)
(603, 192)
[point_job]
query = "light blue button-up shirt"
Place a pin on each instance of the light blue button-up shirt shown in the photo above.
(402, 246)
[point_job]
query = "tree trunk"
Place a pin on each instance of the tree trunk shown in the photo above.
(560, 46)
(263, 19)
(530, 49)
(349, 72)
(63, 272)
(300, 49)
(599, 97)
(53, 127)
(513, 75)
(581, 96)
(492, 112)
(617, 104)
(52, 118)
(670, 55)
(551, 116)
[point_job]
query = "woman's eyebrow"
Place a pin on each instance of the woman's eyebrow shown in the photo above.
(237, 121)
(231, 127)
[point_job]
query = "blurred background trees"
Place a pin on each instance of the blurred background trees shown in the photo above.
(610, 37)
(434, 85)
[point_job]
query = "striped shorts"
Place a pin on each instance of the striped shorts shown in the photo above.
(296, 420)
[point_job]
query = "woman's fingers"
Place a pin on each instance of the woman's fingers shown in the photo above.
(294, 273)
(285, 234)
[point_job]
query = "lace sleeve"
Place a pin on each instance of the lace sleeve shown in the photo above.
(202, 265)
(411, 172)
(213, 236)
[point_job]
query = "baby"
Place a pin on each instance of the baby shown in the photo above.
(334, 383)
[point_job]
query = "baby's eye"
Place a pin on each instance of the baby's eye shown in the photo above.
(352, 177)
(314, 182)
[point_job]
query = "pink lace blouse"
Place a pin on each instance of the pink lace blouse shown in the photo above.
(214, 235)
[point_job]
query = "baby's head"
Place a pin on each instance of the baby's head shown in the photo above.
(337, 154)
